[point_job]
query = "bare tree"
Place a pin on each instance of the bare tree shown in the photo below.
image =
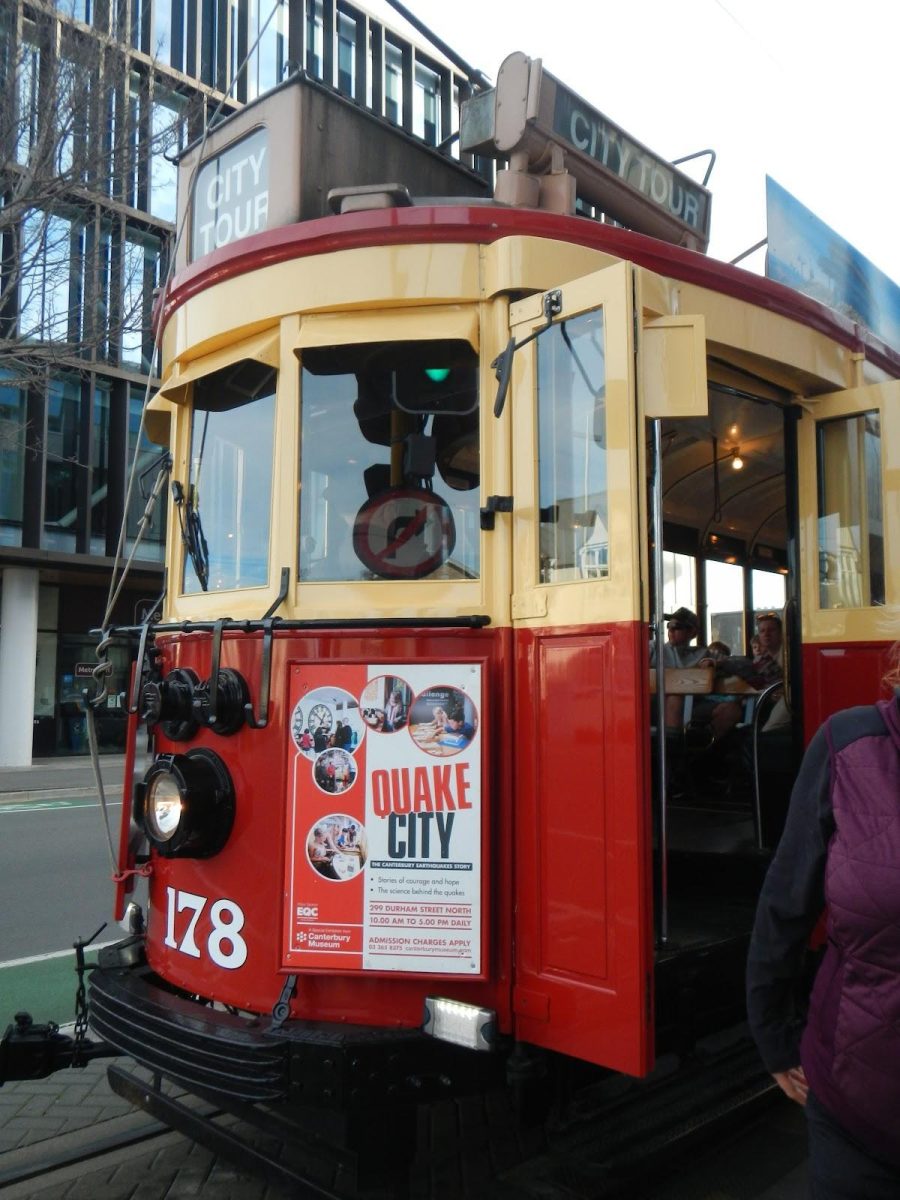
(87, 196)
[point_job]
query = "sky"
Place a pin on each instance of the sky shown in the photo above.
(802, 90)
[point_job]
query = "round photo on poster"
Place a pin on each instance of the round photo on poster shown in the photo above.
(443, 720)
(334, 771)
(385, 702)
(336, 847)
(327, 719)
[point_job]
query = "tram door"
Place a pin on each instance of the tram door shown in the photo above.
(584, 959)
(849, 473)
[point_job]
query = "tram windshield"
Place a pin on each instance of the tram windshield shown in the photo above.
(226, 512)
(389, 475)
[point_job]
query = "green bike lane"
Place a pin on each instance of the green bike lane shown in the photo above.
(44, 984)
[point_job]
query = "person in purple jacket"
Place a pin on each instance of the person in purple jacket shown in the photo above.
(841, 849)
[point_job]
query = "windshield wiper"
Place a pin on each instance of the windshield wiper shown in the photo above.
(192, 532)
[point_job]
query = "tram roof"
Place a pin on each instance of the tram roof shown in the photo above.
(465, 221)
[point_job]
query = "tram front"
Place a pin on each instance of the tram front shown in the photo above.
(326, 824)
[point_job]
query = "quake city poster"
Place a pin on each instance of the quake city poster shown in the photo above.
(383, 866)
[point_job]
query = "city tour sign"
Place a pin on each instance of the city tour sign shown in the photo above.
(546, 131)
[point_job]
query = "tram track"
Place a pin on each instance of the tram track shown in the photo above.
(68, 1156)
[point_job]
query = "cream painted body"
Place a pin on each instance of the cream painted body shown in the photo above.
(430, 291)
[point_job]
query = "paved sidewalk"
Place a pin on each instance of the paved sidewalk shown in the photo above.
(70, 1137)
(48, 778)
(34, 1110)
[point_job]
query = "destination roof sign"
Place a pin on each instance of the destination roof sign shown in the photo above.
(529, 109)
(231, 197)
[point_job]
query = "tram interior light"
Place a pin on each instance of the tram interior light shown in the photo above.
(462, 1024)
(737, 463)
(186, 804)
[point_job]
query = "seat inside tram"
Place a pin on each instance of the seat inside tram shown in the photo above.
(731, 747)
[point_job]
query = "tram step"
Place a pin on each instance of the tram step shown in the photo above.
(640, 1127)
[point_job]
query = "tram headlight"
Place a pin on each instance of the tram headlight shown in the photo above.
(186, 804)
(162, 806)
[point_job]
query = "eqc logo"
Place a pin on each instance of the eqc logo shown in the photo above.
(310, 911)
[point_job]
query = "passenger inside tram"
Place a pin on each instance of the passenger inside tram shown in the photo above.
(725, 576)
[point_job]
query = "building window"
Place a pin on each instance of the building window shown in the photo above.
(129, 141)
(314, 39)
(28, 72)
(99, 467)
(140, 276)
(106, 296)
(427, 105)
(168, 134)
(851, 523)
(161, 37)
(573, 501)
(346, 56)
(81, 10)
(71, 117)
(266, 64)
(108, 156)
(46, 278)
(65, 460)
(152, 545)
(214, 49)
(13, 427)
(140, 24)
(393, 83)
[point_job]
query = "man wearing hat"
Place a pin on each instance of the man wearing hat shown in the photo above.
(682, 627)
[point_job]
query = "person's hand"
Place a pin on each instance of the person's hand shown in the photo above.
(793, 1084)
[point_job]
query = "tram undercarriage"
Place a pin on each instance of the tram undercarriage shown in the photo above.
(337, 1095)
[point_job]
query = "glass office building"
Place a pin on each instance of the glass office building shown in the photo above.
(100, 97)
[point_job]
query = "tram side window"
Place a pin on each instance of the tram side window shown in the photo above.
(389, 462)
(574, 538)
(226, 511)
(725, 604)
(851, 526)
(679, 581)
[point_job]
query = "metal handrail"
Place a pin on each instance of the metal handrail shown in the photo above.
(755, 725)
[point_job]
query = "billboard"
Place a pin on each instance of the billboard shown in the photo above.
(808, 256)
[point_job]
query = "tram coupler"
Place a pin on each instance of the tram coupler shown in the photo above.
(29, 1051)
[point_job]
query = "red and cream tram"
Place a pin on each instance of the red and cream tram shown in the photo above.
(405, 829)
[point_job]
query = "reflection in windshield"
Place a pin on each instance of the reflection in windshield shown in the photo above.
(227, 509)
(572, 451)
(390, 462)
